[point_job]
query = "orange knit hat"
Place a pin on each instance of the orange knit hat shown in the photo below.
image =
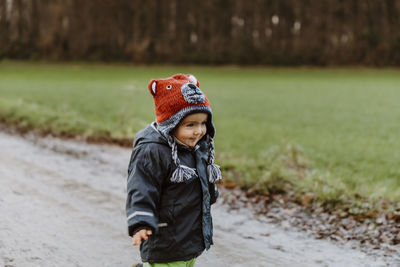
(174, 99)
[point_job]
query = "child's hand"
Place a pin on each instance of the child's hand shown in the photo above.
(142, 234)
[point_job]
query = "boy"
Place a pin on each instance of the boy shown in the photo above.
(172, 175)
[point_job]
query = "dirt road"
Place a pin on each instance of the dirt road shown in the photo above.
(62, 204)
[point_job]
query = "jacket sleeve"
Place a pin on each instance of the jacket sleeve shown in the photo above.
(213, 189)
(145, 177)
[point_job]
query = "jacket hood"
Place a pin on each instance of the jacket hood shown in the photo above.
(149, 135)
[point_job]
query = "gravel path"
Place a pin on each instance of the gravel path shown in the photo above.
(62, 204)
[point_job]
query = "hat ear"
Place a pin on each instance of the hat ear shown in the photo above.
(194, 80)
(153, 87)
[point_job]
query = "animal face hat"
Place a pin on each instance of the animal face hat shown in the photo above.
(174, 99)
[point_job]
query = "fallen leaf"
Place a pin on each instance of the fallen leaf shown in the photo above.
(230, 185)
(307, 199)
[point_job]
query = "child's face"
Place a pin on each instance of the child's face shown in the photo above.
(192, 128)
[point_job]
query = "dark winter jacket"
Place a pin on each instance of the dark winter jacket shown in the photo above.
(178, 213)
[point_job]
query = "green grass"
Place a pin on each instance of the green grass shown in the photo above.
(334, 132)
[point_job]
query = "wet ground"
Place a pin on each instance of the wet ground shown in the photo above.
(62, 204)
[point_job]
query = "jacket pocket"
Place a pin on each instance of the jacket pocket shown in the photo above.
(164, 237)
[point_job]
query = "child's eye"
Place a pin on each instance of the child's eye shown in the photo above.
(169, 87)
(190, 125)
(204, 123)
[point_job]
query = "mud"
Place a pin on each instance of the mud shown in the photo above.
(62, 204)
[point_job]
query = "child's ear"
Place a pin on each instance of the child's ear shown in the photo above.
(194, 80)
(152, 87)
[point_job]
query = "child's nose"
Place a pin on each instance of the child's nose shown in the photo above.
(197, 130)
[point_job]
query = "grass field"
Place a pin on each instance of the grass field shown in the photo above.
(332, 132)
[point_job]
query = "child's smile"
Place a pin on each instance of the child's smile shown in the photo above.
(192, 128)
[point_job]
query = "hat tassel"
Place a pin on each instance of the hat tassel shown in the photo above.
(182, 173)
(213, 170)
(214, 173)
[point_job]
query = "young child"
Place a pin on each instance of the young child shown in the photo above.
(172, 175)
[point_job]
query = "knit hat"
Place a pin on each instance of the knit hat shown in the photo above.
(175, 98)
